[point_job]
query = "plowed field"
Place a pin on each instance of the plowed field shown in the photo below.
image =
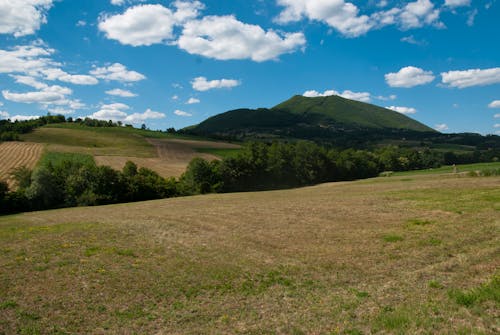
(17, 154)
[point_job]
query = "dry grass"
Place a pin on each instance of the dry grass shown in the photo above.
(115, 146)
(315, 260)
(17, 154)
(173, 156)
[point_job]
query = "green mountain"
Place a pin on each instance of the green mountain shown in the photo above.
(300, 117)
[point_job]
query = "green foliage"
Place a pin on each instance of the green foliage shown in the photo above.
(392, 238)
(22, 176)
(487, 291)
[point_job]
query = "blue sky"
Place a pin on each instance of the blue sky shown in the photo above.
(175, 63)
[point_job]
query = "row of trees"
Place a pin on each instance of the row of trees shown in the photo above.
(258, 166)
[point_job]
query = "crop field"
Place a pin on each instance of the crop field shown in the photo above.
(17, 154)
(380, 256)
(161, 152)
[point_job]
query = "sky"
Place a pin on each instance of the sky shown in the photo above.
(175, 63)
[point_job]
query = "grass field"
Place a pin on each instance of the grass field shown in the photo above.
(17, 154)
(449, 169)
(164, 153)
(387, 255)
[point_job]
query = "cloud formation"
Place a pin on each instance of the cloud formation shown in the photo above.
(117, 72)
(182, 113)
(402, 110)
(23, 17)
(224, 38)
(494, 104)
(121, 93)
(409, 76)
(457, 3)
(117, 112)
(441, 127)
(347, 94)
(193, 101)
(202, 84)
(473, 77)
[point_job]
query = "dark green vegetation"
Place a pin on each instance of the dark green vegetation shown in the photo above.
(339, 122)
(377, 256)
(73, 179)
(10, 131)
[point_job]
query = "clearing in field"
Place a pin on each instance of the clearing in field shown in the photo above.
(18, 154)
(387, 255)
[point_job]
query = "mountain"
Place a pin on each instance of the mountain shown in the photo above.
(325, 118)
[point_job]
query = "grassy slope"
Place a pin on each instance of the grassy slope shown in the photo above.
(415, 256)
(349, 111)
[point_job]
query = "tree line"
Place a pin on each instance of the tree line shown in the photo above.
(68, 182)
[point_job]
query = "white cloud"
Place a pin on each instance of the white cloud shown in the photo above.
(148, 24)
(344, 16)
(4, 115)
(117, 72)
(117, 2)
(30, 81)
(412, 40)
(497, 125)
(202, 84)
(338, 14)
(441, 127)
(494, 104)
(117, 112)
(419, 13)
(347, 94)
(193, 101)
(78, 79)
(23, 117)
(175, 97)
(48, 95)
(390, 97)
(409, 76)
(121, 93)
(34, 61)
(182, 113)
(473, 77)
(496, 116)
(402, 110)
(224, 38)
(81, 23)
(23, 17)
(61, 111)
(457, 3)
(142, 117)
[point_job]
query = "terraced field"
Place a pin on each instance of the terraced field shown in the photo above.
(17, 154)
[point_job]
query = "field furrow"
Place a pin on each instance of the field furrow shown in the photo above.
(17, 154)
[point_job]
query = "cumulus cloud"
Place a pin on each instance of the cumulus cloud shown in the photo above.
(457, 3)
(117, 112)
(473, 77)
(218, 37)
(121, 93)
(347, 94)
(117, 72)
(193, 101)
(4, 115)
(341, 15)
(23, 17)
(142, 117)
(344, 16)
(441, 127)
(409, 76)
(402, 110)
(494, 104)
(148, 24)
(182, 113)
(78, 79)
(35, 61)
(202, 84)
(224, 38)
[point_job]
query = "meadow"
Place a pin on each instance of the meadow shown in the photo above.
(399, 255)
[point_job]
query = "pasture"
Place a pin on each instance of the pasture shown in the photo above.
(385, 255)
(166, 154)
(17, 154)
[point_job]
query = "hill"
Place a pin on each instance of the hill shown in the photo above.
(167, 154)
(309, 118)
(418, 254)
